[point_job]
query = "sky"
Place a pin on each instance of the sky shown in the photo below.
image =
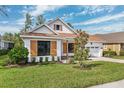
(90, 18)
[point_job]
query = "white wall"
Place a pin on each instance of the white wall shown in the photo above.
(65, 29)
(95, 48)
(59, 48)
(43, 30)
(27, 45)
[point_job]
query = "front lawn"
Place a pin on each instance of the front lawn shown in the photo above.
(60, 75)
(3, 59)
(118, 57)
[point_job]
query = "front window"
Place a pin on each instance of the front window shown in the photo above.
(71, 47)
(43, 48)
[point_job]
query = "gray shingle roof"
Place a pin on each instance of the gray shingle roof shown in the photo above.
(117, 37)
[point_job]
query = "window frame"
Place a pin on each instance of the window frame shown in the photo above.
(43, 48)
(72, 48)
(59, 26)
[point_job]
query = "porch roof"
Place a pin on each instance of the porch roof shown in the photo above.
(65, 36)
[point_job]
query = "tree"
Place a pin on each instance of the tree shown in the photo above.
(15, 38)
(18, 42)
(28, 23)
(81, 53)
(70, 25)
(40, 20)
(8, 36)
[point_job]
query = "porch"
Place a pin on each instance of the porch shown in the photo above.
(61, 49)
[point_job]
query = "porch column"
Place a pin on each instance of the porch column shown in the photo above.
(67, 49)
(27, 45)
(59, 48)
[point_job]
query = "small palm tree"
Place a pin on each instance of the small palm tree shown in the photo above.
(28, 22)
(40, 20)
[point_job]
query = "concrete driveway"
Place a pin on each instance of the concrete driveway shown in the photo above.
(107, 59)
(116, 84)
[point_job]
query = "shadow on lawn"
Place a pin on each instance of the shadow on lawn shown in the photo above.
(88, 66)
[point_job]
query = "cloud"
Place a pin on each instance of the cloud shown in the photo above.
(4, 22)
(67, 16)
(102, 19)
(8, 28)
(89, 10)
(115, 27)
(41, 9)
(93, 9)
(20, 21)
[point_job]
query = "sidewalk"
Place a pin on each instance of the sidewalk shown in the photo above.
(116, 84)
(108, 59)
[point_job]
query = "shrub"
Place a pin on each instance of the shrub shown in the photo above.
(53, 58)
(18, 54)
(122, 53)
(71, 61)
(41, 59)
(109, 53)
(33, 60)
(58, 59)
(4, 51)
(46, 59)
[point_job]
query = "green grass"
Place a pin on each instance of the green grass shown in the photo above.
(118, 57)
(60, 75)
(3, 59)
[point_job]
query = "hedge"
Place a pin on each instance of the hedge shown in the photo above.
(122, 53)
(109, 53)
(3, 52)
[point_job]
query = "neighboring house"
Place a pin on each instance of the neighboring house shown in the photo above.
(56, 38)
(95, 46)
(113, 41)
(6, 44)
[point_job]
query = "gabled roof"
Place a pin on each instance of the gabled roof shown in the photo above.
(117, 37)
(42, 26)
(63, 23)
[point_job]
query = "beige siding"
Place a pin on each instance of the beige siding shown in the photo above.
(113, 47)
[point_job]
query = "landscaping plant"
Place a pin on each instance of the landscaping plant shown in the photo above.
(109, 53)
(46, 59)
(33, 60)
(58, 59)
(18, 54)
(80, 52)
(122, 53)
(3, 51)
(53, 59)
(41, 59)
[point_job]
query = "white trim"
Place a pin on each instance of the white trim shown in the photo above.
(27, 36)
(63, 23)
(97, 41)
(43, 25)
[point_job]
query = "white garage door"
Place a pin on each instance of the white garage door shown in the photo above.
(95, 52)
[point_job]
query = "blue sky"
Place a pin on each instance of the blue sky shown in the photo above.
(93, 19)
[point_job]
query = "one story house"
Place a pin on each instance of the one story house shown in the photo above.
(56, 38)
(113, 41)
(6, 44)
